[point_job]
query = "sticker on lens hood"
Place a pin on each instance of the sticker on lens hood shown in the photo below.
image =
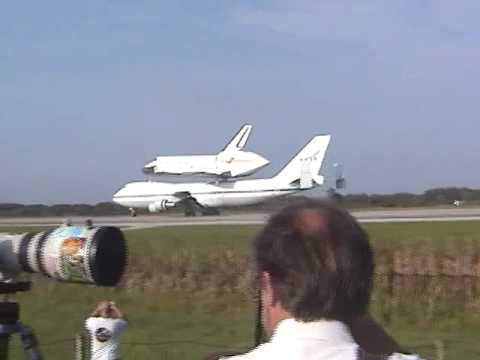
(72, 258)
(65, 254)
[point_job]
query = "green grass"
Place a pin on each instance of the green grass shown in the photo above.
(206, 238)
(432, 234)
(201, 240)
(58, 312)
(213, 314)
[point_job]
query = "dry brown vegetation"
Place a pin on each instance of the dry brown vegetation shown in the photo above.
(460, 259)
(429, 276)
(219, 272)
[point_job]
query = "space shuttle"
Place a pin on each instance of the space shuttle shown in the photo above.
(233, 161)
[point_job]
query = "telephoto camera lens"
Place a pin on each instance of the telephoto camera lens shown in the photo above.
(94, 255)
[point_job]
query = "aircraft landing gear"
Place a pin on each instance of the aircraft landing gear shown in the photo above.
(190, 208)
(210, 211)
(190, 212)
(132, 211)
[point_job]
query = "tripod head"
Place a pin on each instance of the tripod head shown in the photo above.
(7, 288)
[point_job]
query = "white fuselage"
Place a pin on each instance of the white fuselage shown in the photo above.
(223, 194)
(224, 164)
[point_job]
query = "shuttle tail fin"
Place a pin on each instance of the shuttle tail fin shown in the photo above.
(305, 166)
(240, 139)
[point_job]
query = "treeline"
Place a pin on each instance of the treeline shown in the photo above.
(432, 197)
(38, 210)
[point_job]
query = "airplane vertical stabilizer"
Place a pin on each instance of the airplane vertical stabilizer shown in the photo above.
(305, 166)
(239, 141)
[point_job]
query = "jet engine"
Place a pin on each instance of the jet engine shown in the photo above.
(159, 206)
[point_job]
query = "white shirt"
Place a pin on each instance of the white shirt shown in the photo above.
(316, 340)
(105, 335)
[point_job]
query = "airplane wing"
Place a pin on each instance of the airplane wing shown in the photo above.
(185, 198)
(240, 139)
(191, 205)
(182, 195)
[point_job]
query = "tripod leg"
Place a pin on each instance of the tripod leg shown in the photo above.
(29, 343)
(4, 340)
(8, 322)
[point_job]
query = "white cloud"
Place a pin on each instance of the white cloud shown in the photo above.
(344, 21)
(369, 22)
(461, 15)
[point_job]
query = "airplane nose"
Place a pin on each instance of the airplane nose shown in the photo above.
(115, 197)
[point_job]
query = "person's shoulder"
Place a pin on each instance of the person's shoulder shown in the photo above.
(398, 356)
(91, 322)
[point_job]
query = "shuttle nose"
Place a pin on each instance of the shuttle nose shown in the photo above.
(249, 164)
(258, 161)
(261, 161)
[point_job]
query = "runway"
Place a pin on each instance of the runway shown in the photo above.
(156, 220)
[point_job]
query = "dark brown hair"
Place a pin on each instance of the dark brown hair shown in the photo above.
(319, 260)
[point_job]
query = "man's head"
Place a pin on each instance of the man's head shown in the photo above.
(314, 262)
(107, 310)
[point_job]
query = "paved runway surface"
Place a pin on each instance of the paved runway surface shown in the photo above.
(146, 221)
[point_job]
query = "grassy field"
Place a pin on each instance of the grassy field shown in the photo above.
(185, 294)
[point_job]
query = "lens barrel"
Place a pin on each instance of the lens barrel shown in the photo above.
(75, 254)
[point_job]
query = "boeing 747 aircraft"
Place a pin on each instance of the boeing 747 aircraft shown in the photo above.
(232, 161)
(300, 174)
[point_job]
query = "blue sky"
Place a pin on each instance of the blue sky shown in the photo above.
(91, 90)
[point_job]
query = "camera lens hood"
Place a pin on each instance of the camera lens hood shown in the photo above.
(107, 256)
